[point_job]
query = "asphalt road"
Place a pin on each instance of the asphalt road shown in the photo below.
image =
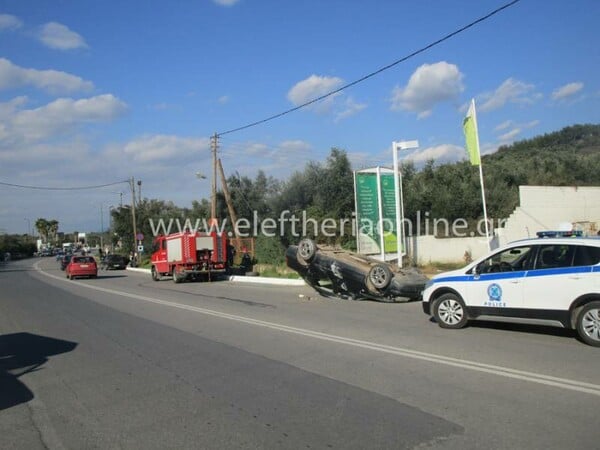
(125, 362)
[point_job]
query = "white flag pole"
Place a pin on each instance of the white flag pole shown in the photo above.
(485, 217)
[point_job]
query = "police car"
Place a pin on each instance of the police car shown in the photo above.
(551, 280)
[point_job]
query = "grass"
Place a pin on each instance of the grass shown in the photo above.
(276, 271)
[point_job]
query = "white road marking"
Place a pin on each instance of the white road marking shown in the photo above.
(563, 383)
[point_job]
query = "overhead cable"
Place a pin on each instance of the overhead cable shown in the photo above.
(372, 74)
(49, 188)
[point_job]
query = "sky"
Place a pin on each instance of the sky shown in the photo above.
(94, 93)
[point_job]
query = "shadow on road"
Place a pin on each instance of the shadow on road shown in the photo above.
(525, 328)
(21, 353)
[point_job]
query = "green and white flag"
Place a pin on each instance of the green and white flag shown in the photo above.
(471, 135)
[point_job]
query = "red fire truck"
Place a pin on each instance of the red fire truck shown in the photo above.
(187, 255)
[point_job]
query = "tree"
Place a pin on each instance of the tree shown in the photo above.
(52, 230)
(42, 227)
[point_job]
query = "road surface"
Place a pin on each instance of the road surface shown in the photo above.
(125, 362)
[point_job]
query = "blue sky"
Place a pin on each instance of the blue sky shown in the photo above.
(95, 92)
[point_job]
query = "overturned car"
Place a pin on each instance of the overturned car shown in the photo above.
(353, 276)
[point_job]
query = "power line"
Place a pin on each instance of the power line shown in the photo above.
(48, 188)
(372, 74)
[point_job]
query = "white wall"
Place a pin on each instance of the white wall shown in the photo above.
(541, 208)
(428, 249)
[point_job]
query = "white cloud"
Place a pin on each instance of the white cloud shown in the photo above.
(9, 22)
(313, 87)
(440, 154)
(223, 99)
(504, 125)
(510, 91)
(295, 146)
(226, 2)
(53, 81)
(8, 109)
(348, 109)
(428, 85)
(510, 136)
(60, 37)
(165, 148)
(516, 130)
(60, 116)
(567, 90)
(280, 158)
(532, 124)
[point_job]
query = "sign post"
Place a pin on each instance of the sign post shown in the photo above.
(402, 145)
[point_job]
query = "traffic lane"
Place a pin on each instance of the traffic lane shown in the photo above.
(520, 347)
(136, 383)
(509, 412)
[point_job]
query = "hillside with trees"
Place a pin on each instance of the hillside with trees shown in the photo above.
(569, 157)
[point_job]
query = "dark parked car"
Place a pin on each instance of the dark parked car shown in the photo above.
(65, 260)
(349, 275)
(114, 262)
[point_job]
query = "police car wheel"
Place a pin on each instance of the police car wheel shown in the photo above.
(449, 312)
(588, 324)
(307, 249)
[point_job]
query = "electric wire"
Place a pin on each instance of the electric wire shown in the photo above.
(48, 188)
(372, 74)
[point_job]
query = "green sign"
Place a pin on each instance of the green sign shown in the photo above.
(371, 217)
(367, 212)
(388, 213)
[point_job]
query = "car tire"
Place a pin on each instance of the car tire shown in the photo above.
(155, 274)
(307, 250)
(380, 276)
(450, 312)
(588, 324)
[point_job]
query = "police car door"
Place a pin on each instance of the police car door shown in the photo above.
(562, 272)
(497, 283)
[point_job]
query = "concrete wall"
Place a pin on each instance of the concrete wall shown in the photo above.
(546, 208)
(428, 249)
(541, 208)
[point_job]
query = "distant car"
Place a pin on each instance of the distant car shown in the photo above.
(65, 260)
(552, 280)
(82, 266)
(349, 275)
(111, 262)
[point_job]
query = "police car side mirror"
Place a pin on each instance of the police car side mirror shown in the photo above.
(478, 269)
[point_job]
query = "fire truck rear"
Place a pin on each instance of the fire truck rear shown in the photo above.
(190, 256)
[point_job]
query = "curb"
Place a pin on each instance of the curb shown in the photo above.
(243, 279)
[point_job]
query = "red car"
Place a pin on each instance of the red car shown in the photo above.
(82, 266)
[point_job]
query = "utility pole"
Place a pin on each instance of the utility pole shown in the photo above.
(132, 185)
(101, 226)
(228, 200)
(213, 195)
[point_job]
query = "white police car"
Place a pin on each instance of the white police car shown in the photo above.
(553, 280)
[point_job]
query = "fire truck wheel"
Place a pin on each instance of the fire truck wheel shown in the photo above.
(155, 274)
(177, 278)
